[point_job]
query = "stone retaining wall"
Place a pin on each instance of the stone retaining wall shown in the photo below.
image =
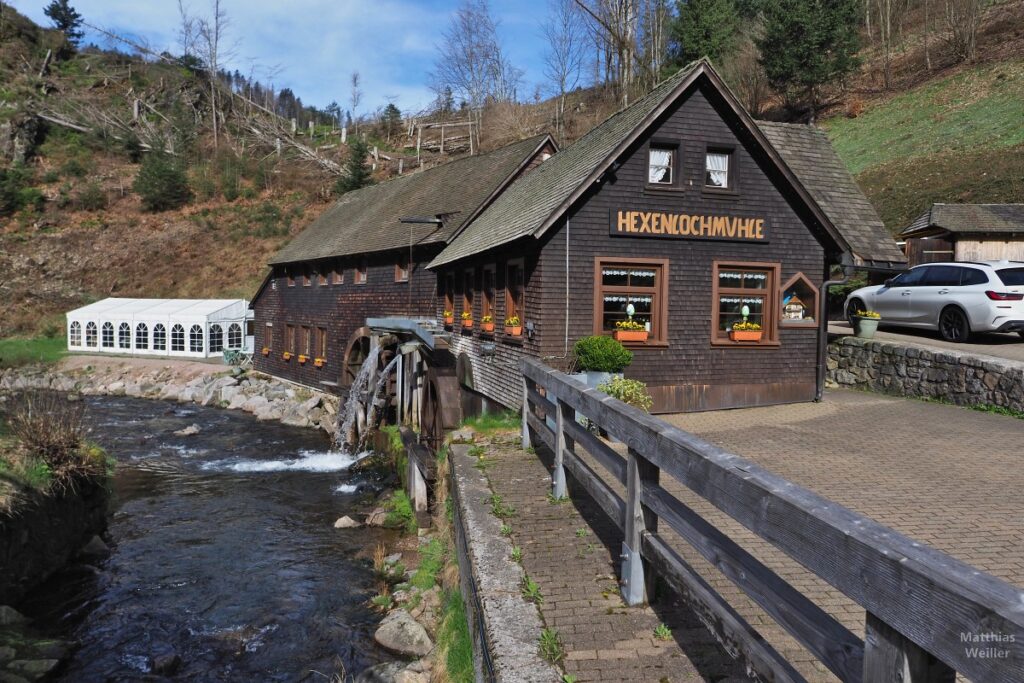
(958, 377)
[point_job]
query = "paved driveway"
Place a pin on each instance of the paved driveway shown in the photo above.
(948, 476)
(1009, 346)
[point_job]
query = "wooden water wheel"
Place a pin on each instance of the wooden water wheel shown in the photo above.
(442, 405)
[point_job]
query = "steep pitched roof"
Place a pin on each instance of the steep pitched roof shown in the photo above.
(809, 154)
(534, 203)
(970, 218)
(367, 220)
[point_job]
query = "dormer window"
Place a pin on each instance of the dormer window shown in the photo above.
(716, 169)
(660, 163)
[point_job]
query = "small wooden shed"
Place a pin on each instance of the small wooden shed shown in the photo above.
(966, 232)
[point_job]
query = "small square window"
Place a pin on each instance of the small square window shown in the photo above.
(717, 170)
(659, 166)
(360, 276)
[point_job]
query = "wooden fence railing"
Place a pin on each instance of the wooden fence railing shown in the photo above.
(928, 614)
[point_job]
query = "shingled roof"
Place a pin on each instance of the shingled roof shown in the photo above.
(367, 220)
(805, 156)
(809, 154)
(999, 219)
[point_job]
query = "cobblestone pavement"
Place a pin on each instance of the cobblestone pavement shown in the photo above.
(945, 475)
(570, 550)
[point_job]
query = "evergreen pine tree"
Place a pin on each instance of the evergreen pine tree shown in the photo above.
(702, 28)
(162, 183)
(392, 120)
(807, 45)
(66, 19)
(357, 169)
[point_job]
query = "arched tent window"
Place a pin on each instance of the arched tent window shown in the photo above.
(216, 338)
(177, 338)
(235, 336)
(141, 336)
(108, 336)
(124, 336)
(159, 337)
(90, 335)
(195, 339)
(75, 334)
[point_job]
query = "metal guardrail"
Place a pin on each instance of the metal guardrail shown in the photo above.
(928, 614)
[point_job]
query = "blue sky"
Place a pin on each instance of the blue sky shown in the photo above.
(316, 44)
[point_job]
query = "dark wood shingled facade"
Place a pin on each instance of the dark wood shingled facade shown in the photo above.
(358, 260)
(590, 231)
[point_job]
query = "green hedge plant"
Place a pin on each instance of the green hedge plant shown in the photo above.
(601, 354)
(630, 391)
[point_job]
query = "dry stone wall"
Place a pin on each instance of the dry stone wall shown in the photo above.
(958, 377)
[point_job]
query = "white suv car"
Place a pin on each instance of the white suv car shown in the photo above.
(954, 298)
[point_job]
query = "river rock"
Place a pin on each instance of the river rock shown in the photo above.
(7, 653)
(377, 518)
(9, 615)
(8, 677)
(191, 430)
(308, 405)
(33, 669)
(165, 665)
(401, 634)
(255, 403)
(464, 435)
(346, 522)
(420, 666)
(408, 676)
(393, 558)
(381, 673)
(95, 549)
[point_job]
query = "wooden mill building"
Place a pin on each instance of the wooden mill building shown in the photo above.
(680, 208)
(966, 232)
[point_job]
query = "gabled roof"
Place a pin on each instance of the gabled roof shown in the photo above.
(172, 309)
(970, 218)
(810, 155)
(367, 220)
(534, 203)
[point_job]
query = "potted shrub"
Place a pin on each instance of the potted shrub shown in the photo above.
(303, 359)
(630, 330)
(631, 391)
(467, 319)
(487, 324)
(449, 318)
(265, 351)
(599, 358)
(866, 323)
(514, 326)
(287, 355)
(319, 362)
(745, 331)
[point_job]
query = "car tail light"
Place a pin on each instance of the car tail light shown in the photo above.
(1004, 296)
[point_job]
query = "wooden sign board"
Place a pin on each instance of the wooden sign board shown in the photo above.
(674, 225)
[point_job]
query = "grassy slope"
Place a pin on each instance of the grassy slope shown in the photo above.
(16, 352)
(956, 139)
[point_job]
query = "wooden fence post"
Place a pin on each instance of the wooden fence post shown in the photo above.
(526, 409)
(637, 580)
(890, 657)
(564, 412)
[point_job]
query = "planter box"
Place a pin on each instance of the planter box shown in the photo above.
(450, 320)
(746, 335)
(514, 330)
(467, 324)
(487, 327)
(866, 327)
(630, 335)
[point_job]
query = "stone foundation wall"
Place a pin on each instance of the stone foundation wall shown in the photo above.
(959, 377)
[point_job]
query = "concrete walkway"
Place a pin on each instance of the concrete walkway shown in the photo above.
(570, 549)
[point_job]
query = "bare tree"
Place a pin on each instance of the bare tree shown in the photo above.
(743, 72)
(211, 36)
(355, 97)
(187, 32)
(616, 23)
(962, 20)
(563, 59)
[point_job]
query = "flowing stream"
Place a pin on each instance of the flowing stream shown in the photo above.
(223, 552)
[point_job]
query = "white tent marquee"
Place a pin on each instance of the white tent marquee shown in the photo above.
(191, 328)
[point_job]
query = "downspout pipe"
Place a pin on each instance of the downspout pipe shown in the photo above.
(823, 324)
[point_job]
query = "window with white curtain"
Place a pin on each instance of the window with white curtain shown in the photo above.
(177, 338)
(75, 334)
(124, 336)
(717, 169)
(234, 336)
(659, 166)
(159, 337)
(216, 338)
(195, 339)
(141, 336)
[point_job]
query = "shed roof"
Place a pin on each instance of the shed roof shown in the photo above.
(804, 155)
(177, 309)
(367, 220)
(1001, 219)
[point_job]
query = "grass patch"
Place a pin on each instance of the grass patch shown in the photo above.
(551, 646)
(432, 561)
(400, 512)
(975, 109)
(18, 352)
(982, 408)
(453, 639)
(494, 422)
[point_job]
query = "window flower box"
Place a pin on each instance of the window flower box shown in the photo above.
(467, 320)
(287, 356)
(487, 324)
(630, 335)
(746, 332)
(513, 326)
(319, 362)
(449, 318)
(265, 351)
(303, 359)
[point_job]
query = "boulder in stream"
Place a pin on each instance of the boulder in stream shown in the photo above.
(165, 665)
(381, 673)
(191, 430)
(346, 522)
(378, 517)
(95, 549)
(9, 615)
(403, 635)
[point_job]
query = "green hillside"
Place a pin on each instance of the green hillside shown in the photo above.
(956, 139)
